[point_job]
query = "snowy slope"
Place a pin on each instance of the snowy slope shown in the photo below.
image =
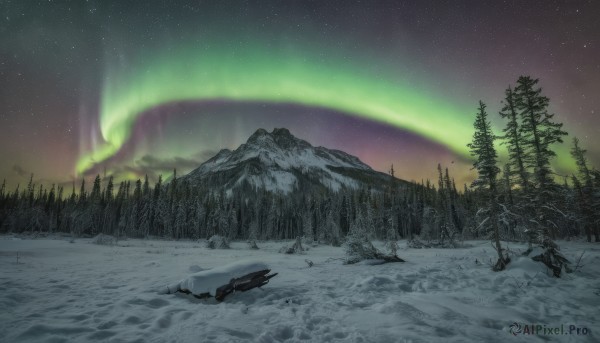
(62, 292)
(278, 161)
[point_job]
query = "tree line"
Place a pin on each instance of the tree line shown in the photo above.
(519, 201)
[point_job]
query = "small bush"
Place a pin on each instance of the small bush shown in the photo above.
(252, 244)
(217, 242)
(359, 248)
(103, 239)
(296, 248)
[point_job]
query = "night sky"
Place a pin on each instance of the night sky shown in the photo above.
(140, 87)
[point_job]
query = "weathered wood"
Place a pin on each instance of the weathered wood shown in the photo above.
(389, 258)
(244, 283)
(553, 260)
(501, 264)
(379, 256)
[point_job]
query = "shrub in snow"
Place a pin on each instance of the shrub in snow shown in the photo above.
(416, 243)
(217, 242)
(335, 241)
(450, 244)
(296, 248)
(309, 241)
(103, 239)
(358, 247)
(392, 247)
(252, 244)
(550, 255)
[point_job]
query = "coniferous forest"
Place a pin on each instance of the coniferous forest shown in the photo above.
(515, 198)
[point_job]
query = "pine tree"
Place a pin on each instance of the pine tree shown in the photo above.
(180, 220)
(578, 154)
(145, 217)
(307, 227)
(137, 192)
(31, 190)
(173, 187)
(392, 234)
(96, 195)
(233, 224)
(82, 194)
(441, 207)
(455, 225)
(482, 148)
(583, 212)
(585, 191)
(508, 184)
(146, 187)
(538, 131)
(108, 192)
(513, 139)
(157, 188)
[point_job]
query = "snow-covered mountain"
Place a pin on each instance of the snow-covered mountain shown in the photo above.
(278, 161)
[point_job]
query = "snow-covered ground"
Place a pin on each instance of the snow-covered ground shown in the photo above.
(77, 292)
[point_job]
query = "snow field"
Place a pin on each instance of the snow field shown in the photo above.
(66, 292)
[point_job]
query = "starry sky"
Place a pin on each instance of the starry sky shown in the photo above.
(129, 88)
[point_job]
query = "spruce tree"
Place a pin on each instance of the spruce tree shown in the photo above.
(578, 154)
(146, 187)
(585, 192)
(82, 191)
(513, 139)
(108, 192)
(508, 184)
(482, 148)
(96, 195)
(538, 131)
(3, 189)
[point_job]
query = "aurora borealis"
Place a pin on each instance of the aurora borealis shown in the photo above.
(132, 89)
(266, 77)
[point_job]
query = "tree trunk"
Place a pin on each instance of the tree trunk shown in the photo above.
(502, 262)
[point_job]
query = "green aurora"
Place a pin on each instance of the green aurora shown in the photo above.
(271, 76)
(276, 76)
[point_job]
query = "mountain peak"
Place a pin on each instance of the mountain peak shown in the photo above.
(281, 132)
(282, 138)
(278, 161)
(258, 133)
(277, 132)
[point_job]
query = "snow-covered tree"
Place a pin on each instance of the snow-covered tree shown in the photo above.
(584, 192)
(482, 148)
(513, 139)
(538, 131)
(307, 226)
